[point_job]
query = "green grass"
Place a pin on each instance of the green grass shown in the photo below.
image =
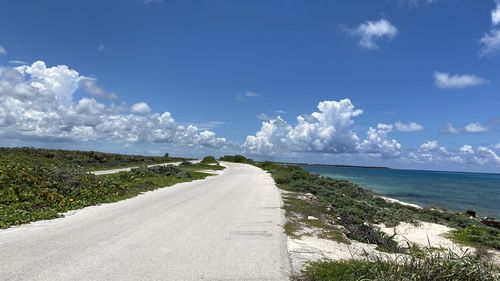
(429, 266)
(37, 185)
(476, 236)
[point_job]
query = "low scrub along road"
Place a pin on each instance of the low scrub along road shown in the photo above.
(226, 227)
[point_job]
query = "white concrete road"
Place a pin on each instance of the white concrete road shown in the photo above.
(226, 227)
(114, 171)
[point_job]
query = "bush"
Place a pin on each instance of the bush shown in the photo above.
(428, 266)
(236, 159)
(208, 160)
(186, 164)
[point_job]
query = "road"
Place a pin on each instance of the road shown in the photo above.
(226, 227)
(114, 171)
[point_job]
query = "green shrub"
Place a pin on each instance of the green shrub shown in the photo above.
(236, 159)
(477, 235)
(427, 266)
(208, 160)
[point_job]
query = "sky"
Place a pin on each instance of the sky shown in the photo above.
(410, 84)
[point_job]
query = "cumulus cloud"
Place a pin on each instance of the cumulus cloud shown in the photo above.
(456, 81)
(326, 131)
(90, 86)
(429, 146)
(495, 14)
(2, 51)
(38, 103)
(449, 128)
(376, 142)
(491, 41)
(408, 127)
(141, 108)
(475, 127)
(371, 31)
(432, 152)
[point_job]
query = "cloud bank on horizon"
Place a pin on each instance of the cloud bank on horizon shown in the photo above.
(39, 103)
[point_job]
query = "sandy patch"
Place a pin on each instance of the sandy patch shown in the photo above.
(425, 234)
(311, 248)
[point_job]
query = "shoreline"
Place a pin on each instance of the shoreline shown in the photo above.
(396, 201)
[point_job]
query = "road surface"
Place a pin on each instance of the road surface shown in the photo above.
(114, 171)
(226, 227)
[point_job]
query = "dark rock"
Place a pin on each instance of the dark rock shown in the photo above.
(471, 213)
(491, 222)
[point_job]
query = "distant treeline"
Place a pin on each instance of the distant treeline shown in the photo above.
(87, 159)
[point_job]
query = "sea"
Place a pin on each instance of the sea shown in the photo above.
(454, 191)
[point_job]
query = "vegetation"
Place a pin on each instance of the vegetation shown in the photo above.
(341, 202)
(209, 160)
(38, 184)
(431, 266)
(89, 160)
(236, 159)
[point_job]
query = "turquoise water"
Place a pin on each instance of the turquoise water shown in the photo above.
(455, 191)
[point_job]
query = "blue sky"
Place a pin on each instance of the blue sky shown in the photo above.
(228, 69)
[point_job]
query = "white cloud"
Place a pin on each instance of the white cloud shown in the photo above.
(251, 94)
(490, 42)
(431, 152)
(38, 103)
(370, 31)
(326, 131)
(457, 81)
(408, 127)
(449, 128)
(376, 142)
(147, 2)
(246, 95)
(475, 127)
(102, 48)
(485, 155)
(497, 146)
(429, 146)
(18, 62)
(467, 149)
(263, 117)
(2, 51)
(415, 3)
(90, 86)
(495, 14)
(141, 108)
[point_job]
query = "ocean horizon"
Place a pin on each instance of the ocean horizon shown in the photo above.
(451, 190)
